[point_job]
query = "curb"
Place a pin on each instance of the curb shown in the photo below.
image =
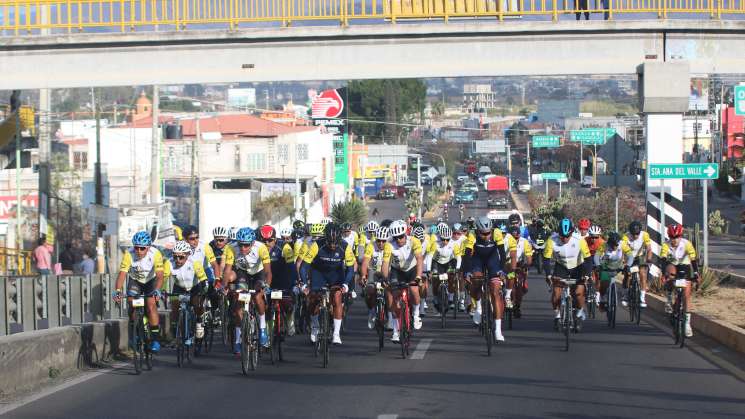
(725, 333)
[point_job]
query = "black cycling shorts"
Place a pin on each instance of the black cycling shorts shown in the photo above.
(245, 281)
(399, 276)
(138, 288)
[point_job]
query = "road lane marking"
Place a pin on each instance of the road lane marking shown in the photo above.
(421, 349)
(57, 388)
(387, 416)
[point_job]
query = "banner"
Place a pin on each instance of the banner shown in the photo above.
(328, 109)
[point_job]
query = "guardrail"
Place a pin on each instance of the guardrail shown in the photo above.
(15, 262)
(42, 302)
(21, 17)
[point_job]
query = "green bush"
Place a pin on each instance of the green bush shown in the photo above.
(717, 223)
(353, 212)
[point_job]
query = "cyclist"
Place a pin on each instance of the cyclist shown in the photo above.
(285, 234)
(538, 236)
(282, 259)
(315, 232)
(329, 262)
(583, 228)
(403, 262)
(142, 265)
(609, 259)
(201, 252)
(641, 247)
(351, 238)
(571, 259)
(188, 276)
(372, 265)
(519, 255)
(251, 269)
(678, 260)
(222, 252)
(487, 261)
(444, 257)
(516, 220)
(424, 238)
(594, 241)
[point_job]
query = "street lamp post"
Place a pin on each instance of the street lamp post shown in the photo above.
(283, 178)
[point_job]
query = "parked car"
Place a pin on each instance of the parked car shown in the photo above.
(409, 186)
(387, 192)
(498, 200)
(524, 187)
(586, 182)
(465, 197)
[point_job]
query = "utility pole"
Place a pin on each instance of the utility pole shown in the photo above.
(97, 166)
(155, 152)
(19, 239)
(363, 166)
(194, 150)
(530, 182)
(44, 157)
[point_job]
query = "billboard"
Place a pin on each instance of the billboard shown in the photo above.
(698, 100)
(8, 203)
(327, 109)
(490, 146)
(242, 98)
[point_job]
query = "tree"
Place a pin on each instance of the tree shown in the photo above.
(353, 212)
(438, 109)
(384, 101)
(273, 208)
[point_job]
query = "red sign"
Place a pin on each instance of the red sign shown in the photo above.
(8, 203)
(327, 104)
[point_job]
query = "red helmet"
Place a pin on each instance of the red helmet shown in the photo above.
(266, 232)
(584, 224)
(674, 230)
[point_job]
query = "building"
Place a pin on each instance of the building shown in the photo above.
(554, 112)
(477, 98)
(733, 129)
(696, 131)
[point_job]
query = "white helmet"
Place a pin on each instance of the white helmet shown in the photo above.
(397, 228)
(326, 220)
(372, 226)
(595, 230)
(220, 232)
(383, 233)
(444, 231)
(285, 232)
(232, 232)
(182, 247)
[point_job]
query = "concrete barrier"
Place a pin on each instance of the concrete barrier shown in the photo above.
(31, 359)
(725, 333)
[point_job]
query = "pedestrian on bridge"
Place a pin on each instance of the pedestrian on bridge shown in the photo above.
(581, 5)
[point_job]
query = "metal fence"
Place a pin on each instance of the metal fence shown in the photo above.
(42, 302)
(15, 262)
(22, 17)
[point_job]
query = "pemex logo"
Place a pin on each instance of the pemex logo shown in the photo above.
(327, 104)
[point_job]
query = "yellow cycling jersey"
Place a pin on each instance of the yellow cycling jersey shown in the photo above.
(253, 262)
(201, 252)
(304, 246)
(360, 246)
(142, 270)
(570, 254)
(497, 236)
(228, 256)
(612, 259)
(312, 252)
(682, 254)
(188, 275)
(638, 246)
(443, 253)
(375, 256)
(521, 246)
(403, 257)
(288, 253)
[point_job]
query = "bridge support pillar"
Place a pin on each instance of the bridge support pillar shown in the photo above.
(663, 94)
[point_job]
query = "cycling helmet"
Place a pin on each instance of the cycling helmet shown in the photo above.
(595, 230)
(182, 247)
(458, 227)
(346, 227)
(441, 226)
(220, 232)
(245, 235)
(566, 227)
(189, 230)
(538, 223)
(674, 230)
(326, 220)
(398, 228)
(298, 225)
(445, 233)
(514, 219)
(267, 232)
(316, 230)
(514, 230)
(383, 233)
(372, 226)
(433, 229)
(142, 238)
(418, 232)
(285, 232)
(386, 223)
(471, 223)
(635, 228)
(613, 239)
(332, 233)
(584, 224)
(483, 224)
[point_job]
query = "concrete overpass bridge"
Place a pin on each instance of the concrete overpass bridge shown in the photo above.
(82, 43)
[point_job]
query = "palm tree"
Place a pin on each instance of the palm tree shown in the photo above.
(353, 212)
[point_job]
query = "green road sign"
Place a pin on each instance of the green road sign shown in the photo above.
(561, 177)
(590, 136)
(740, 100)
(546, 141)
(684, 171)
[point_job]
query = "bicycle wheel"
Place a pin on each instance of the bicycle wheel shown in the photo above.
(254, 346)
(591, 300)
(443, 303)
(682, 321)
(508, 313)
(632, 300)
(638, 305)
(539, 261)
(180, 338)
(567, 320)
(380, 324)
(275, 341)
(486, 320)
(323, 337)
(456, 299)
(138, 337)
(612, 305)
(245, 344)
(405, 329)
(209, 331)
(225, 323)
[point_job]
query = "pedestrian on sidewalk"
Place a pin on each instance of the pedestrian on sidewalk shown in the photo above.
(43, 256)
(67, 259)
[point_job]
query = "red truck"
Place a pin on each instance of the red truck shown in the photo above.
(498, 187)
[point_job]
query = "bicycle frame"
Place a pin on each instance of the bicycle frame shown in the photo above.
(567, 308)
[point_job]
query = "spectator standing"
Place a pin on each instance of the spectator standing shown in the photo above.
(67, 259)
(87, 265)
(43, 257)
(582, 5)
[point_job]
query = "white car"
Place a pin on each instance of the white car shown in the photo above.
(586, 182)
(524, 187)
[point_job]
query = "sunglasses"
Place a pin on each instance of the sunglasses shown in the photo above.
(403, 236)
(484, 233)
(192, 238)
(179, 257)
(219, 240)
(244, 245)
(140, 248)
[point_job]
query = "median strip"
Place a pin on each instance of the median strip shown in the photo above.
(421, 349)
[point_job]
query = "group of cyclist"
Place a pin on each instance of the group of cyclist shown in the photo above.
(474, 255)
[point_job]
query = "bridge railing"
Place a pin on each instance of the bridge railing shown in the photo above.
(41, 302)
(24, 17)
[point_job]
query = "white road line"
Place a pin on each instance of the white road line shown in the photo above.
(54, 389)
(421, 349)
(387, 416)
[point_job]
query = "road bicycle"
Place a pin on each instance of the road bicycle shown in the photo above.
(611, 301)
(678, 316)
(635, 296)
(405, 317)
(278, 323)
(184, 328)
(140, 337)
(322, 346)
(381, 309)
(445, 280)
(591, 301)
(249, 332)
(567, 322)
